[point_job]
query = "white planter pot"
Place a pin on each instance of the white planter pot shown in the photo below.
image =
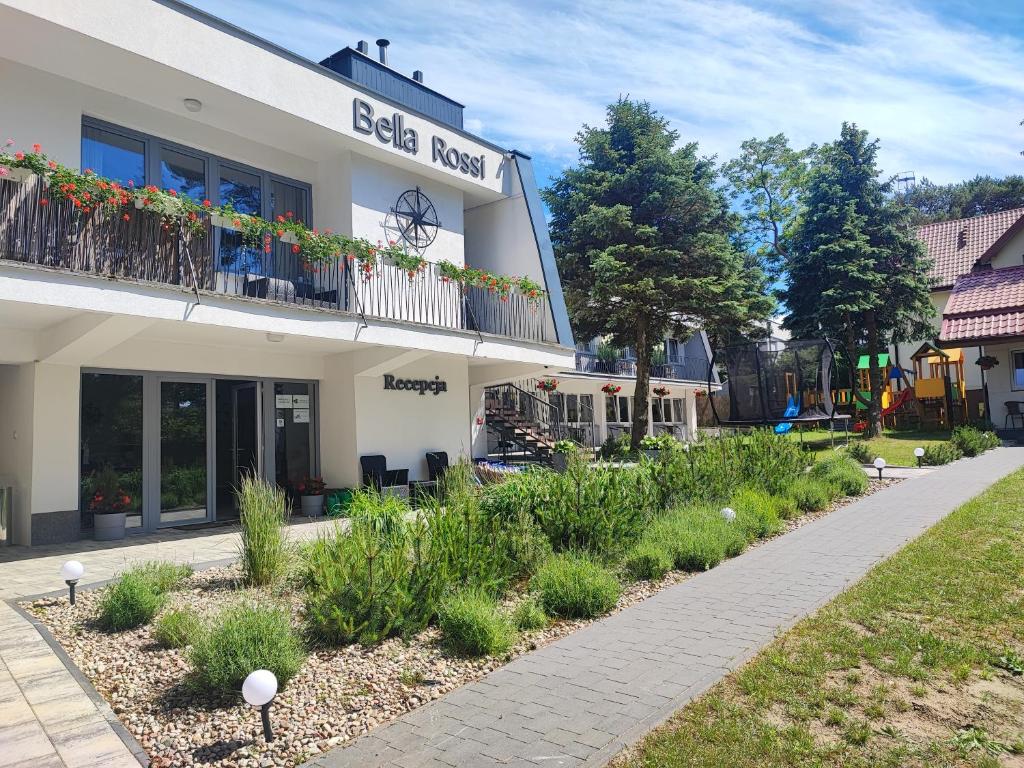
(289, 237)
(18, 175)
(224, 222)
(313, 506)
(109, 526)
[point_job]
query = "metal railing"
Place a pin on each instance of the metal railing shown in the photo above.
(529, 411)
(135, 245)
(688, 369)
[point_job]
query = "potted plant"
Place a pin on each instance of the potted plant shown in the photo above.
(611, 389)
(547, 385)
(987, 362)
(311, 493)
(109, 506)
(561, 452)
(653, 446)
(662, 391)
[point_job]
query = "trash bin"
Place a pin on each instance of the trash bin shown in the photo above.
(338, 502)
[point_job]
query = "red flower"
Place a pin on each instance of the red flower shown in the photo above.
(289, 214)
(280, 219)
(126, 217)
(266, 249)
(237, 222)
(37, 148)
(295, 248)
(44, 201)
(192, 216)
(52, 164)
(280, 233)
(87, 171)
(19, 155)
(207, 203)
(146, 201)
(172, 193)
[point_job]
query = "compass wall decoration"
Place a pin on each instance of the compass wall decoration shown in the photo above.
(416, 219)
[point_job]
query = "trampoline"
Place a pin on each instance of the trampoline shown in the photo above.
(776, 382)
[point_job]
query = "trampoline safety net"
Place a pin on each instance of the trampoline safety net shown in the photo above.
(771, 382)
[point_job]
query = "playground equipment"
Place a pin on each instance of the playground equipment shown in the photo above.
(939, 384)
(773, 383)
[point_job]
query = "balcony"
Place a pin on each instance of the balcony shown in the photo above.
(140, 249)
(691, 369)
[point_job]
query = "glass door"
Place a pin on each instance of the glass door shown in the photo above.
(184, 462)
(294, 435)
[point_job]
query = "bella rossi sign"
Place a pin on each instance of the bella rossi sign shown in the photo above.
(393, 130)
(436, 386)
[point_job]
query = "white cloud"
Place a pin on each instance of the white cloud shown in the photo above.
(944, 98)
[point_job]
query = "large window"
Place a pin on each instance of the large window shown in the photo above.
(617, 408)
(1018, 369)
(114, 155)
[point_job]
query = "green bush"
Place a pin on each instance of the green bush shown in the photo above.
(177, 628)
(573, 586)
(648, 560)
(859, 451)
(938, 454)
(472, 625)
(842, 473)
(759, 513)
(163, 576)
(243, 638)
(529, 615)
(697, 549)
(811, 494)
(972, 441)
(263, 512)
(129, 602)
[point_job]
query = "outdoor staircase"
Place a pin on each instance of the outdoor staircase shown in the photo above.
(526, 426)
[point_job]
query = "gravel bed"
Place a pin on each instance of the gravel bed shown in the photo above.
(338, 695)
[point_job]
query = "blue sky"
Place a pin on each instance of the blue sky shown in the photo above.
(941, 83)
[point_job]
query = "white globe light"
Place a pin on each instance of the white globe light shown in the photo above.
(72, 570)
(919, 452)
(259, 687)
(729, 514)
(686, 447)
(879, 463)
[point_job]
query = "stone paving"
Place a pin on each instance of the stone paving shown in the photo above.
(578, 701)
(46, 716)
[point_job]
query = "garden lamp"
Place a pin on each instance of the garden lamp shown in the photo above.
(919, 453)
(71, 572)
(259, 690)
(728, 514)
(879, 465)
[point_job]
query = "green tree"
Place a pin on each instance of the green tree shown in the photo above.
(644, 240)
(855, 269)
(963, 199)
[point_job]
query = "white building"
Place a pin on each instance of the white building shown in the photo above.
(176, 374)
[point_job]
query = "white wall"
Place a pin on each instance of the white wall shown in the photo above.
(1011, 254)
(1000, 382)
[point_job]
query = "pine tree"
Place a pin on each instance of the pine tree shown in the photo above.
(644, 242)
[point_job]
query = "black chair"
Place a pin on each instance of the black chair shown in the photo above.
(1013, 413)
(377, 475)
(437, 465)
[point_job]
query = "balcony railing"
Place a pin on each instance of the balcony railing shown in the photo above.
(140, 249)
(690, 369)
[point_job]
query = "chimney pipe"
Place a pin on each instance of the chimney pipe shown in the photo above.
(363, 47)
(418, 76)
(382, 46)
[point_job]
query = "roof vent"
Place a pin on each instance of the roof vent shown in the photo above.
(363, 47)
(382, 46)
(961, 238)
(417, 75)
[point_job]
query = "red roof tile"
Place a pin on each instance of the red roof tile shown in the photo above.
(955, 246)
(985, 305)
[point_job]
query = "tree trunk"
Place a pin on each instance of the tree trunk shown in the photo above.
(874, 376)
(643, 383)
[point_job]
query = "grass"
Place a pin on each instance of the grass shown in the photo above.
(472, 625)
(263, 511)
(895, 446)
(913, 666)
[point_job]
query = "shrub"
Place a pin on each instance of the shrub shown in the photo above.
(859, 451)
(163, 576)
(940, 453)
(129, 602)
(529, 615)
(243, 638)
(263, 511)
(972, 441)
(177, 628)
(758, 513)
(571, 585)
(842, 473)
(648, 560)
(472, 625)
(697, 549)
(810, 494)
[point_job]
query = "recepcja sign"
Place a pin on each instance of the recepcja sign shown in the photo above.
(435, 385)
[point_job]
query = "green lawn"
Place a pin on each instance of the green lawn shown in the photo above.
(920, 664)
(895, 446)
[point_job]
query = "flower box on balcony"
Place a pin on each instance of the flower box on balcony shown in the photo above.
(17, 175)
(289, 237)
(224, 222)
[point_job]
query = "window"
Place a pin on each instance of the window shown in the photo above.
(118, 157)
(680, 414)
(572, 408)
(609, 409)
(587, 409)
(184, 173)
(1018, 369)
(616, 408)
(656, 410)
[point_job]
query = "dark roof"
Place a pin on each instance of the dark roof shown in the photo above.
(956, 246)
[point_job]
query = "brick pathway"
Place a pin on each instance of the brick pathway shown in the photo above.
(46, 717)
(581, 699)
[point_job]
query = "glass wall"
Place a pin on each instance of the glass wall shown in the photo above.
(111, 446)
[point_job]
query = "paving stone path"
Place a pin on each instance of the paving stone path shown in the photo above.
(578, 701)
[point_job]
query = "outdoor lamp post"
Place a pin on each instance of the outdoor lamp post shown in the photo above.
(919, 453)
(259, 690)
(879, 465)
(728, 514)
(71, 572)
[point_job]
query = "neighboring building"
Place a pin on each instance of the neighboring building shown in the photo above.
(181, 374)
(977, 277)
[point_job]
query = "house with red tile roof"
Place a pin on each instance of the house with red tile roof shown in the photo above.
(977, 274)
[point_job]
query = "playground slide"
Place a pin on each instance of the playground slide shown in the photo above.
(792, 409)
(901, 398)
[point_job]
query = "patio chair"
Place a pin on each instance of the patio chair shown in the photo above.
(437, 465)
(1013, 413)
(377, 475)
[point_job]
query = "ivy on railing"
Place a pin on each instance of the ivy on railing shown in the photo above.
(318, 249)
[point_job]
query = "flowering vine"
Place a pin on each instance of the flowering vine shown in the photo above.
(318, 249)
